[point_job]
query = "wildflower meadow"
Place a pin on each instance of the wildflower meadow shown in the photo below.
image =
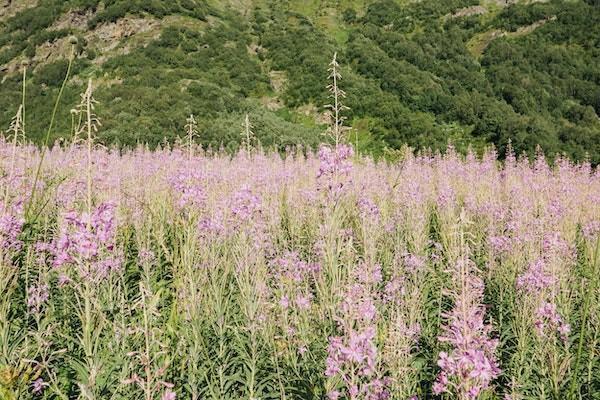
(179, 273)
(185, 273)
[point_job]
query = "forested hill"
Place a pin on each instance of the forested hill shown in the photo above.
(417, 72)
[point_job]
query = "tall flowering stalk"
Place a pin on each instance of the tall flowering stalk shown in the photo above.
(85, 254)
(247, 135)
(88, 124)
(540, 290)
(337, 130)
(150, 361)
(17, 131)
(11, 225)
(404, 296)
(293, 280)
(470, 365)
(335, 163)
(352, 358)
(191, 130)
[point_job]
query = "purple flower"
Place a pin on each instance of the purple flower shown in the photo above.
(413, 263)
(334, 168)
(38, 386)
(368, 209)
(188, 187)
(334, 395)
(37, 295)
(245, 204)
(591, 230)
(535, 278)
(441, 383)
(303, 301)
(284, 302)
(168, 395)
(353, 355)
(10, 229)
(470, 364)
(88, 242)
(548, 320)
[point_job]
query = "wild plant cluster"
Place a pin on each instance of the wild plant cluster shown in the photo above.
(183, 274)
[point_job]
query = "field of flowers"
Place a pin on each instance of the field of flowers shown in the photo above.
(182, 274)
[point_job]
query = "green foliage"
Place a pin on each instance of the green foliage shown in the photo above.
(409, 69)
(116, 9)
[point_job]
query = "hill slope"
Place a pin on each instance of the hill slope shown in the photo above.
(415, 72)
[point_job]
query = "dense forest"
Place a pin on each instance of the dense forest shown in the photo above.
(418, 73)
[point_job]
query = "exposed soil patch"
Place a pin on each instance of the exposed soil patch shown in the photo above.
(481, 41)
(469, 11)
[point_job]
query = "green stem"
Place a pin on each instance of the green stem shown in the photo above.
(23, 100)
(584, 317)
(47, 137)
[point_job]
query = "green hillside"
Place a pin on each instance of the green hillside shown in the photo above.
(422, 73)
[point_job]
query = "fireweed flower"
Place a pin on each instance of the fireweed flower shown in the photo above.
(36, 297)
(352, 357)
(412, 263)
(535, 278)
(284, 302)
(500, 244)
(245, 205)
(356, 350)
(188, 187)
(394, 288)
(548, 320)
(368, 209)
(211, 227)
(290, 267)
(168, 395)
(335, 165)
(525, 212)
(294, 278)
(540, 282)
(470, 366)
(303, 301)
(553, 244)
(88, 242)
(591, 230)
(247, 216)
(358, 305)
(369, 274)
(37, 387)
(10, 229)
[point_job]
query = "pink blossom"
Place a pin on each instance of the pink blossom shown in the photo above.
(169, 395)
(38, 386)
(303, 301)
(37, 295)
(535, 278)
(549, 320)
(470, 366)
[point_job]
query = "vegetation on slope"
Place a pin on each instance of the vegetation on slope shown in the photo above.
(420, 73)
